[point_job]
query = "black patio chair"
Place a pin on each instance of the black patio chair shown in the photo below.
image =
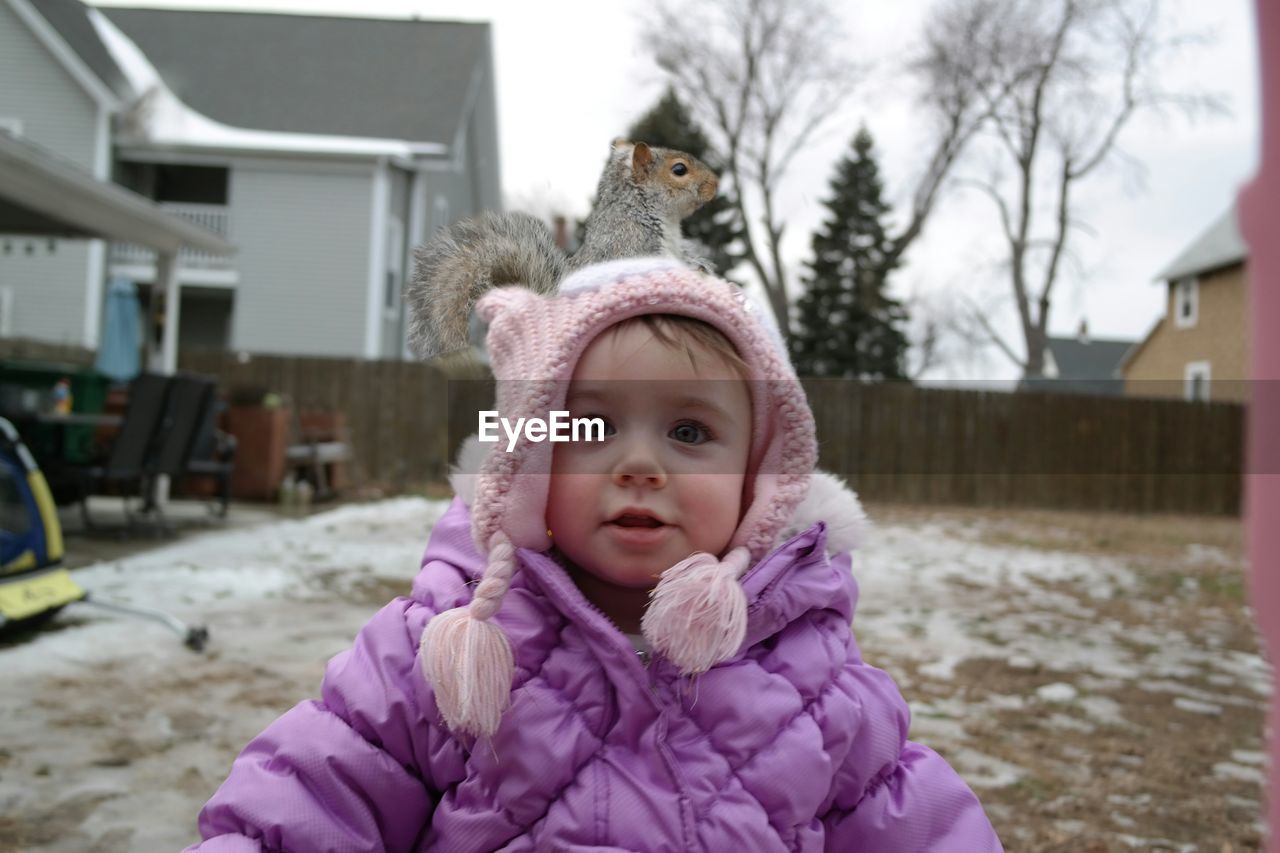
(214, 456)
(125, 465)
(189, 401)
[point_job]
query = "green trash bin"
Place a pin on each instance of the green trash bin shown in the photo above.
(26, 388)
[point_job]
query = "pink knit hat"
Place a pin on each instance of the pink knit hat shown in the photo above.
(697, 613)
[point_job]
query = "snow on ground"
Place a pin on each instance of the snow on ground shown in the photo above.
(1085, 704)
(320, 558)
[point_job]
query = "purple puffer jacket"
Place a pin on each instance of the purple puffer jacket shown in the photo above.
(795, 744)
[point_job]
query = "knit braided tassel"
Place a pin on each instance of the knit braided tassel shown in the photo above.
(466, 658)
(697, 614)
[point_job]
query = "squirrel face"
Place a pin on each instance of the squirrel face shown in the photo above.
(685, 182)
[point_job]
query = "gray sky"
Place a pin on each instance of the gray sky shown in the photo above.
(572, 75)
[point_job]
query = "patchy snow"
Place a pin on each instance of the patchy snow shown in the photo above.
(1247, 756)
(1207, 555)
(106, 718)
(1057, 692)
(1227, 770)
(908, 577)
(1197, 707)
(313, 558)
(1140, 843)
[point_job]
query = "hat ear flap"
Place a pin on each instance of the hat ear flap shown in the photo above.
(502, 300)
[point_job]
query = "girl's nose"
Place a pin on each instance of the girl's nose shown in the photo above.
(639, 466)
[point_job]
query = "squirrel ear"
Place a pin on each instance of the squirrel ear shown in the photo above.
(641, 158)
(619, 143)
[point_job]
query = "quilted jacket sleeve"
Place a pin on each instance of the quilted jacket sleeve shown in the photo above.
(356, 770)
(362, 767)
(919, 804)
(890, 794)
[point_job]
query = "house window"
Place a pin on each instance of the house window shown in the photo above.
(175, 183)
(1196, 377)
(1186, 302)
(11, 125)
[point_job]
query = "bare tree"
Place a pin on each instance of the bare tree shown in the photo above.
(955, 100)
(1055, 84)
(762, 77)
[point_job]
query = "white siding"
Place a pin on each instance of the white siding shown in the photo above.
(455, 189)
(57, 113)
(55, 110)
(303, 260)
(48, 289)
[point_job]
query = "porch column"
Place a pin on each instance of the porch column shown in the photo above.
(162, 356)
(167, 362)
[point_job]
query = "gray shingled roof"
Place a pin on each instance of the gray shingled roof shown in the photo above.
(1091, 367)
(1094, 359)
(1219, 246)
(71, 19)
(388, 79)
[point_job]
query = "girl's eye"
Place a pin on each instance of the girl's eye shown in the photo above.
(608, 425)
(690, 433)
(680, 169)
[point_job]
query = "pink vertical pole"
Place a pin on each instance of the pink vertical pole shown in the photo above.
(1260, 220)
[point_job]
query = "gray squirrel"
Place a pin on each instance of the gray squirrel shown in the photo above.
(643, 195)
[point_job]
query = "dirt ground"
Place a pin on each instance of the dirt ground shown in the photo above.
(1142, 728)
(1096, 679)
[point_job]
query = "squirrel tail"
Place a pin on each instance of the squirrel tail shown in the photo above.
(463, 261)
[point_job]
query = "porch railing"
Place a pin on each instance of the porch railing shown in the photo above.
(214, 217)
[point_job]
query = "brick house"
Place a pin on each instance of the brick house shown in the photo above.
(1199, 350)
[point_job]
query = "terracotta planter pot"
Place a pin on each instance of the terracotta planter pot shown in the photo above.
(262, 436)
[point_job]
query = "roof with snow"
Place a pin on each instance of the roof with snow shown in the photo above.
(333, 76)
(1219, 246)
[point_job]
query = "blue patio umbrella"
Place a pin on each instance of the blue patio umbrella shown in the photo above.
(118, 356)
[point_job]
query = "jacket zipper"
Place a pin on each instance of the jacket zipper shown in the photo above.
(639, 672)
(645, 676)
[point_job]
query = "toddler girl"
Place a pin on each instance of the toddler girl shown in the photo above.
(657, 655)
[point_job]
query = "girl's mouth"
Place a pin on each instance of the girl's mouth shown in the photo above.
(640, 530)
(636, 521)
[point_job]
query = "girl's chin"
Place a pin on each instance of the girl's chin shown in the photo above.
(619, 572)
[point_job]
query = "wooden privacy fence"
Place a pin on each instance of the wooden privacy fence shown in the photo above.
(899, 442)
(893, 441)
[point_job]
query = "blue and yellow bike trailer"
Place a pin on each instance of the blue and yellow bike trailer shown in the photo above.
(31, 582)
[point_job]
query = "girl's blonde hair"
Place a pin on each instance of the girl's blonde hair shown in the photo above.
(691, 336)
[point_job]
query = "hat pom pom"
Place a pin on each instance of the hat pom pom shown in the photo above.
(697, 614)
(468, 661)
(467, 658)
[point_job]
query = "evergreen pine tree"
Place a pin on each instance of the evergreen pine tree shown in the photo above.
(846, 323)
(715, 226)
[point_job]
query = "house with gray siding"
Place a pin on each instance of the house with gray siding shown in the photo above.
(323, 148)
